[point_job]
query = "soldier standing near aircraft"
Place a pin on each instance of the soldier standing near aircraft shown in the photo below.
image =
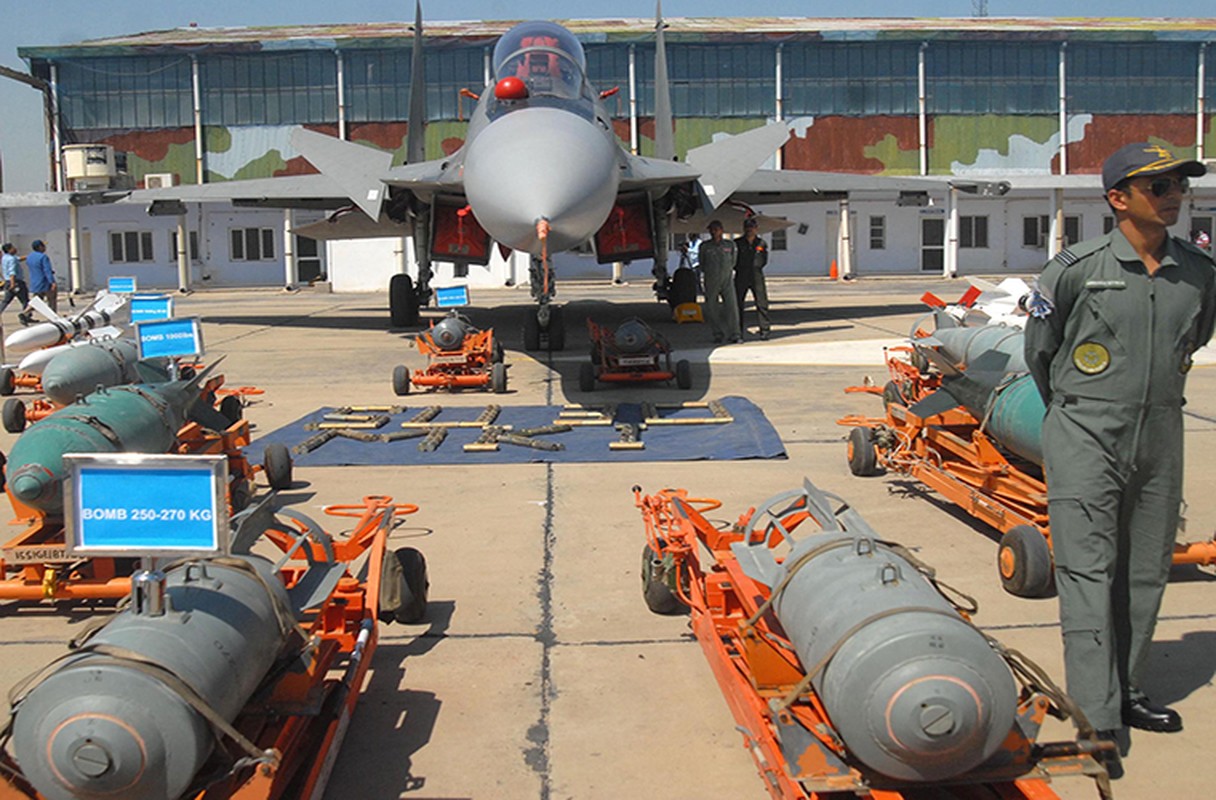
(1114, 323)
(749, 274)
(718, 266)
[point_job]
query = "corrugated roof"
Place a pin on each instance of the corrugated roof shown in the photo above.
(306, 37)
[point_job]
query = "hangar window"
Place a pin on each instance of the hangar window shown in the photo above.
(722, 80)
(973, 232)
(129, 247)
(1132, 77)
(377, 85)
(990, 77)
(144, 92)
(252, 244)
(449, 71)
(878, 233)
(780, 239)
(608, 66)
(1036, 231)
(1108, 223)
(850, 78)
(193, 239)
(269, 89)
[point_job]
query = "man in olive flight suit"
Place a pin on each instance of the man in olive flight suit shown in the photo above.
(1114, 323)
(749, 274)
(718, 267)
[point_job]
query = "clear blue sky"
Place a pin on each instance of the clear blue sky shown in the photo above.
(53, 22)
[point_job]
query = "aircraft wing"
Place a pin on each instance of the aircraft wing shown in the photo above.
(427, 178)
(290, 191)
(643, 173)
(795, 186)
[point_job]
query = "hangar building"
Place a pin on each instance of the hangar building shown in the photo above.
(1035, 102)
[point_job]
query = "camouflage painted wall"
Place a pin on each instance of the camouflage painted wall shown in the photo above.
(870, 145)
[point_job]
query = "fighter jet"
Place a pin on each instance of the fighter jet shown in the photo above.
(541, 171)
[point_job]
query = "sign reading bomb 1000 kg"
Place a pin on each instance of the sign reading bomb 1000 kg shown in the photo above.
(133, 504)
(168, 338)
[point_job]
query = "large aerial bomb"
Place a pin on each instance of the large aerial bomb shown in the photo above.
(110, 722)
(633, 336)
(448, 334)
(984, 371)
(914, 691)
(141, 418)
(58, 330)
(79, 370)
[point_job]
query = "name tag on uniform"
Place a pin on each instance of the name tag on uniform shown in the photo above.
(1105, 284)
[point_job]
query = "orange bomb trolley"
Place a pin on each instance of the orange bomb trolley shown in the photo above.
(280, 742)
(633, 352)
(459, 356)
(844, 661)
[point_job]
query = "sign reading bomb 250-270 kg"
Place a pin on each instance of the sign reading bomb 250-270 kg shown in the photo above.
(132, 504)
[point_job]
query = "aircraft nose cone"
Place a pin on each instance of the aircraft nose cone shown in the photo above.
(539, 163)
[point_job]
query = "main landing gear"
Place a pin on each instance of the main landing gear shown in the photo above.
(403, 302)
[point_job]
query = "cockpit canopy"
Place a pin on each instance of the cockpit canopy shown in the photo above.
(544, 55)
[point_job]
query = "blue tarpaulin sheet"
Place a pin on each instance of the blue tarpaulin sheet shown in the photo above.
(749, 435)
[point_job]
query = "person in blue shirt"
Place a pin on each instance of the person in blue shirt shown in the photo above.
(14, 282)
(42, 275)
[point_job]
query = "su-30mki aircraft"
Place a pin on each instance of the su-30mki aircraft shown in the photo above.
(541, 171)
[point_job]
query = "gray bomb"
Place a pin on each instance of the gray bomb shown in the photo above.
(79, 370)
(142, 418)
(984, 371)
(449, 332)
(633, 336)
(914, 691)
(105, 724)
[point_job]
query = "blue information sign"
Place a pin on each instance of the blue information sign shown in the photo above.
(151, 307)
(169, 338)
(121, 285)
(134, 504)
(451, 296)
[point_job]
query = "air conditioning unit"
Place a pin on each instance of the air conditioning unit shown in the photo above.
(89, 166)
(160, 180)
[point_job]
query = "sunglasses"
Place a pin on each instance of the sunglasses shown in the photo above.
(1160, 187)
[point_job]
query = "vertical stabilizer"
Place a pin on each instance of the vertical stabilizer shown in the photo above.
(415, 137)
(664, 130)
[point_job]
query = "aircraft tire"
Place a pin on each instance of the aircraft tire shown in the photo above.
(557, 329)
(402, 302)
(586, 377)
(683, 374)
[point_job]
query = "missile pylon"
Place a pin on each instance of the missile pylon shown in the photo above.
(984, 371)
(138, 418)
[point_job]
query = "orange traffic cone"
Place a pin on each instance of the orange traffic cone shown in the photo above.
(833, 272)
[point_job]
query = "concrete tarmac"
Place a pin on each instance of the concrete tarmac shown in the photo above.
(539, 672)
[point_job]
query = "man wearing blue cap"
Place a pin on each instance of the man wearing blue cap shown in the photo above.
(42, 275)
(1113, 327)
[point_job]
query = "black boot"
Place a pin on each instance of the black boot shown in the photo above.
(1140, 712)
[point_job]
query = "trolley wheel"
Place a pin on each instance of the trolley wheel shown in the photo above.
(402, 302)
(498, 377)
(586, 377)
(8, 381)
(401, 380)
(557, 329)
(863, 455)
(496, 353)
(239, 494)
(1024, 561)
(659, 597)
(683, 374)
(231, 408)
(531, 332)
(404, 586)
(276, 461)
(13, 415)
(893, 395)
